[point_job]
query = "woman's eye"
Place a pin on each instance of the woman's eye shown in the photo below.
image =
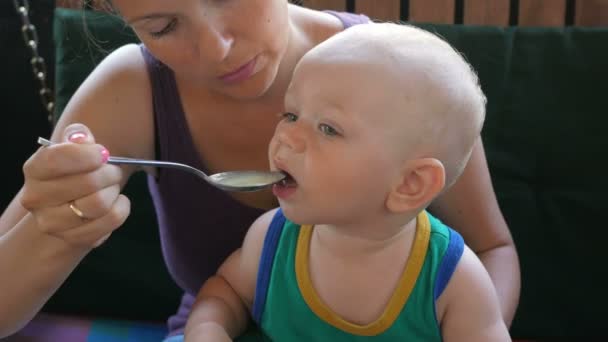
(290, 117)
(167, 29)
(328, 130)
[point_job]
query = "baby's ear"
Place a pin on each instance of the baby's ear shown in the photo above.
(421, 180)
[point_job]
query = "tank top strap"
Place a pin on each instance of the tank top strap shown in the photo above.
(269, 249)
(350, 19)
(169, 117)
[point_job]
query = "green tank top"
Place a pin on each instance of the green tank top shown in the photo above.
(287, 308)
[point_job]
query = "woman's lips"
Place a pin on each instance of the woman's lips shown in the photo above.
(241, 73)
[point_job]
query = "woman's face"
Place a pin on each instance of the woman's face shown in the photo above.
(233, 47)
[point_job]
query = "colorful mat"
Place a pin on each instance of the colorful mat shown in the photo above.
(52, 328)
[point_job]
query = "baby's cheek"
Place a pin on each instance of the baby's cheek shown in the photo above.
(272, 149)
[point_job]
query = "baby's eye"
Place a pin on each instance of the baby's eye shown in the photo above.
(328, 130)
(290, 117)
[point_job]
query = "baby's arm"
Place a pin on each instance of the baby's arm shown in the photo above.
(221, 310)
(471, 311)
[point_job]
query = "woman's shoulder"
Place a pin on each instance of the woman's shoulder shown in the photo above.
(319, 25)
(113, 99)
(123, 67)
(127, 58)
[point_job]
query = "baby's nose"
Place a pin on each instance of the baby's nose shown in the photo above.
(293, 138)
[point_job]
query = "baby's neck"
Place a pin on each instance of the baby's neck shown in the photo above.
(365, 239)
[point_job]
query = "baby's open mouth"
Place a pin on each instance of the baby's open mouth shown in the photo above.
(288, 181)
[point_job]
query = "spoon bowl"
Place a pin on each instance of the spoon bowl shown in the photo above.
(237, 181)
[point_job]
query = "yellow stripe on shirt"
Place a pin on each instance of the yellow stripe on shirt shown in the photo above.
(399, 298)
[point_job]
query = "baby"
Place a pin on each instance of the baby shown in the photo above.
(380, 119)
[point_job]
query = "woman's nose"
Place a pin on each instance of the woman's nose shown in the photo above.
(214, 42)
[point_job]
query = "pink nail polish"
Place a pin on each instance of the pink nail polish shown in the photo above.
(77, 137)
(105, 154)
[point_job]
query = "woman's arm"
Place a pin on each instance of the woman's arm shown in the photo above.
(41, 238)
(32, 266)
(471, 208)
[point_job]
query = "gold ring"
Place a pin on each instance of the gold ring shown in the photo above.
(77, 211)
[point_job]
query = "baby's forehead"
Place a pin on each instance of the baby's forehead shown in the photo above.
(366, 91)
(366, 70)
(386, 43)
(396, 64)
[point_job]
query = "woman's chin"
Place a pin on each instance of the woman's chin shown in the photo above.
(248, 90)
(255, 87)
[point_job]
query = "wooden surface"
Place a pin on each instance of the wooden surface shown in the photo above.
(336, 5)
(475, 12)
(387, 10)
(67, 3)
(542, 12)
(591, 13)
(486, 12)
(97, 4)
(432, 11)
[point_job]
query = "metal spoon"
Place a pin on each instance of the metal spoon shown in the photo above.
(242, 181)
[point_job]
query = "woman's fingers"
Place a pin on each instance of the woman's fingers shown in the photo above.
(91, 233)
(98, 204)
(54, 192)
(68, 215)
(75, 153)
(72, 192)
(64, 159)
(78, 133)
(67, 170)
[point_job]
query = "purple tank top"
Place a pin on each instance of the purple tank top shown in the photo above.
(199, 224)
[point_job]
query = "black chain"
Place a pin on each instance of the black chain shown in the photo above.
(30, 37)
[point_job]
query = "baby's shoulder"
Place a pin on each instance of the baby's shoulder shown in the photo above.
(254, 239)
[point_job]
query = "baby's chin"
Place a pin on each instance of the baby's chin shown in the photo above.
(305, 216)
(296, 215)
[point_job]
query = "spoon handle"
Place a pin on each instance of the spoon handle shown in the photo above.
(156, 163)
(143, 162)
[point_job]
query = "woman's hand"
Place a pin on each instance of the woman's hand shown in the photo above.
(72, 192)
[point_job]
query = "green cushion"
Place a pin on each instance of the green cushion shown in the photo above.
(546, 151)
(82, 40)
(126, 277)
(546, 147)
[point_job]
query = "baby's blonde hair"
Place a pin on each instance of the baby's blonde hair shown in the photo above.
(450, 118)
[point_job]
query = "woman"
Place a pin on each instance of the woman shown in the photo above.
(207, 90)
